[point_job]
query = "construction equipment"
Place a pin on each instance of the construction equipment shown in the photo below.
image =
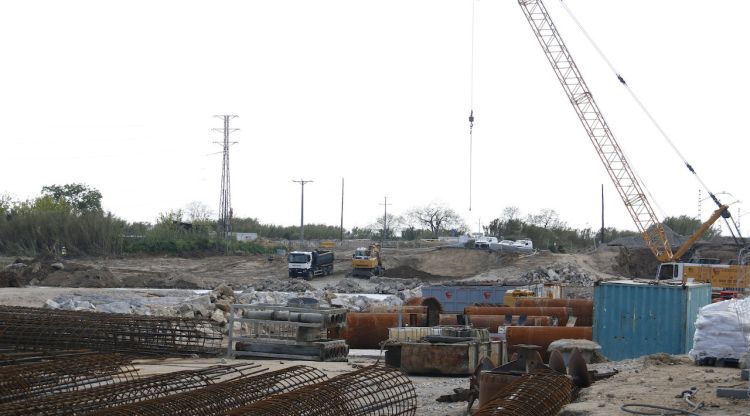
(620, 171)
(366, 262)
(309, 264)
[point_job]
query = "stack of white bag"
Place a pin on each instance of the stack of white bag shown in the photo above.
(722, 330)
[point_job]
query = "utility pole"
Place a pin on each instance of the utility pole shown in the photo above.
(302, 212)
(385, 219)
(341, 226)
(225, 200)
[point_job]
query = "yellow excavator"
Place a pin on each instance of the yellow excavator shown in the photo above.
(366, 262)
(721, 276)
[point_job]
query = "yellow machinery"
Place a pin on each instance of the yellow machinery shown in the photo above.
(620, 171)
(366, 262)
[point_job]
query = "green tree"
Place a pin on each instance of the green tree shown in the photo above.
(686, 226)
(81, 197)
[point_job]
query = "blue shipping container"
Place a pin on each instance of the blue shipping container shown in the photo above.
(633, 319)
(455, 298)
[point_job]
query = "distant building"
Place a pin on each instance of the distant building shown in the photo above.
(246, 236)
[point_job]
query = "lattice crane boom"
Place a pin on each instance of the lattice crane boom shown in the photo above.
(596, 126)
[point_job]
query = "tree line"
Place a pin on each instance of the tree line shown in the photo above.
(70, 218)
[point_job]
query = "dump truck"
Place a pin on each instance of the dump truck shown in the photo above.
(308, 264)
(366, 262)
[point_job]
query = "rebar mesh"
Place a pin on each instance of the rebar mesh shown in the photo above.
(34, 328)
(11, 356)
(223, 397)
(132, 391)
(36, 379)
(371, 391)
(543, 392)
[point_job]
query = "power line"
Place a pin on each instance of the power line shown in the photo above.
(225, 199)
(385, 219)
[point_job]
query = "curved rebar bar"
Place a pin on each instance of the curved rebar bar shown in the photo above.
(223, 397)
(371, 391)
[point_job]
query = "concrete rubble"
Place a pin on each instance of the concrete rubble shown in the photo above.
(560, 273)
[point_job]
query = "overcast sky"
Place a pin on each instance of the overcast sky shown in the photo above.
(121, 96)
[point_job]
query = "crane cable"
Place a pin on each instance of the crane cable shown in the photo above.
(726, 215)
(471, 104)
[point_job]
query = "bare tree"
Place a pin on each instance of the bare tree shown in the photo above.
(437, 217)
(511, 213)
(547, 218)
(198, 212)
(392, 224)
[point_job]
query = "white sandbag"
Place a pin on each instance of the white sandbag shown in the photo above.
(722, 330)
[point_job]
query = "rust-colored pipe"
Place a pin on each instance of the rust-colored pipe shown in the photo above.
(448, 319)
(434, 308)
(544, 335)
(559, 312)
(397, 308)
(492, 322)
(582, 309)
(369, 329)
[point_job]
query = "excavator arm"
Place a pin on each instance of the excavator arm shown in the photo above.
(699, 233)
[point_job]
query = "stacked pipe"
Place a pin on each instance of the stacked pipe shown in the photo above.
(223, 397)
(32, 328)
(542, 392)
(582, 309)
(369, 391)
(131, 391)
(560, 313)
(43, 378)
(492, 322)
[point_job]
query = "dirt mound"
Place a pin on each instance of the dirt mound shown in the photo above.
(636, 263)
(448, 262)
(407, 272)
(82, 278)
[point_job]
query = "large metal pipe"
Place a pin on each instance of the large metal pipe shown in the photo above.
(544, 335)
(560, 313)
(368, 329)
(582, 309)
(492, 322)
(434, 308)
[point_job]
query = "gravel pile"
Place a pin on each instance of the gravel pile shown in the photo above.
(346, 286)
(392, 286)
(560, 273)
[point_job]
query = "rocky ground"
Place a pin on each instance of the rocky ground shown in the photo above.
(204, 287)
